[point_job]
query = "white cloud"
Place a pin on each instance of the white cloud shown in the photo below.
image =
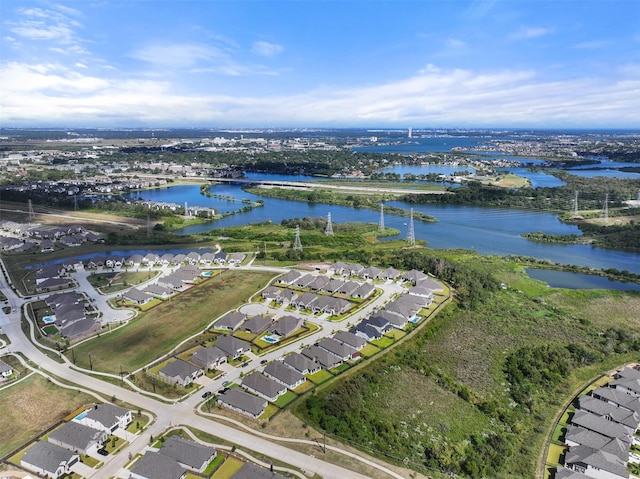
(456, 43)
(266, 49)
(177, 55)
(51, 94)
(526, 33)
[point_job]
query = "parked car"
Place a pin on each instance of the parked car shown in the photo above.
(103, 452)
(206, 394)
(224, 383)
(264, 361)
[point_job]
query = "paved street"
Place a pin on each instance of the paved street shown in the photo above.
(183, 413)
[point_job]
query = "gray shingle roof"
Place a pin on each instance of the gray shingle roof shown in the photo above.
(351, 339)
(107, 414)
(300, 363)
(343, 351)
(77, 436)
(232, 346)
(251, 471)
(231, 320)
(186, 452)
(47, 456)
(598, 459)
(322, 356)
(286, 325)
(263, 385)
(240, 399)
(179, 368)
(154, 465)
(283, 373)
(602, 426)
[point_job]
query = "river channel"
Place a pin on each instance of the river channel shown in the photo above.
(486, 230)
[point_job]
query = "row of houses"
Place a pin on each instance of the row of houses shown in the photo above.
(325, 284)
(192, 258)
(84, 435)
(602, 431)
(70, 316)
(165, 286)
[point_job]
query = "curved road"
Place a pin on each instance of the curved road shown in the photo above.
(168, 415)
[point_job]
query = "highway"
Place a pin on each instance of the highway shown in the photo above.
(184, 412)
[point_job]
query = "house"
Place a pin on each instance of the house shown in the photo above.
(263, 386)
(135, 260)
(331, 305)
(422, 292)
(206, 259)
(305, 300)
(258, 324)
(578, 436)
(80, 329)
(78, 438)
(53, 284)
(282, 373)
(395, 320)
(350, 339)
(5, 370)
(619, 398)
(136, 296)
(154, 465)
(158, 291)
(230, 321)
(303, 281)
(414, 276)
(188, 454)
(609, 411)
(235, 259)
(47, 246)
(286, 296)
(372, 328)
(430, 283)
(565, 473)
(326, 359)
(629, 386)
(208, 358)
(220, 258)
(371, 272)
(333, 285)
(289, 277)
(390, 273)
(49, 460)
(233, 347)
(181, 372)
(595, 463)
(286, 325)
(602, 426)
(342, 350)
(364, 291)
(107, 417)
(251, 471)
(354, 269)
(404, 309)
(349, 288)
(241, 401)
(318, 283)
(301, 363)
(193, 257)
(270, 292)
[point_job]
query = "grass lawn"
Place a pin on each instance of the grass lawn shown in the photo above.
(304, 387)
(340, 369)
(90, 461)
(369, 350)
(245, 336)
(228, 469)
(555, 452)
(269, 411)
(395, 334)
(161, 329)
(215, 464)
(319, 377)
(383, 342)
(113, 282)
(51, 329)
(26, 418)
(285, 399)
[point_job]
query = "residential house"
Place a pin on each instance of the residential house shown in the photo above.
(286, 325)
(252, 471)
(333, 286)
(233, 347)
(364, 291)
(390, 274)
(220, 258)
(326, 359)
(349, 288)
(305, 300)
(396, 320)
(304, 281)
(592, 422)
(206, 259)
(5, 370)
(430, 283)
(53, 284)
(107, 417)
(289, 277)
(617, 397)
(154, 465)
(158, 291)
(270, 292)
(258, 324)
(181, 372)
(78, 438)
(422, 292)
(241, 401)
(188, 454)
(208, 358)
(235, 259)
(287, 296)
(282, 373)
(414, 276)
(263, 386)
(595, 463)
(49, 460)
(135, 260)
(372, 328)
(609, 411)
(137, 296)
(318, 283)
(80, 329)
(371, 272)
(230, 321)
(301, 363)
(47, 246)
(331, 305)
(350, 339)
(342, 350)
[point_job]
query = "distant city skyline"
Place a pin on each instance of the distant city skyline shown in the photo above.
(320, 64)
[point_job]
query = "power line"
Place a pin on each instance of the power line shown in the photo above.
(328, 231)
(411, 235)
(381, 222)
(297, 245)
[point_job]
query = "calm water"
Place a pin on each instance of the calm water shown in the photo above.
(486, 230)
(569, 280)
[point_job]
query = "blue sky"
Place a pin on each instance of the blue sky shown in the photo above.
(320, 63)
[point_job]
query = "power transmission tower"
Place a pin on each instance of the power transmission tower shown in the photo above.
(411, 235)
(32, 214)
(186, 211)
(605, 209)
(381, 222)
(328, 231)
(575, 204)
(75, 202)
(297, 245)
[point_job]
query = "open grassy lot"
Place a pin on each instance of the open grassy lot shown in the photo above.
(161, 329)
(111, 282)
(36, 405)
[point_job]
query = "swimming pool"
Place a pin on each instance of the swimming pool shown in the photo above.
(80, 416)
(48, 319)
(270, 339)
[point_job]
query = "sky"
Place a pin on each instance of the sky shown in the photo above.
(320, 63)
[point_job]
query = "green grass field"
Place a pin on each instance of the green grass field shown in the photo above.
(158, 331)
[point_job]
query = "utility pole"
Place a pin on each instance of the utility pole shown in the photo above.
(328, 231)
(297, 245)
(90, 362)
(411, 235)
(381, 222)
(605, 209)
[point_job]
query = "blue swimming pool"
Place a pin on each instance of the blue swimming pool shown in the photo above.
(48, 319)
(80, 416)
(271, 339)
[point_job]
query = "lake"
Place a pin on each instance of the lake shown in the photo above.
(486, 230)
(570, 280)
